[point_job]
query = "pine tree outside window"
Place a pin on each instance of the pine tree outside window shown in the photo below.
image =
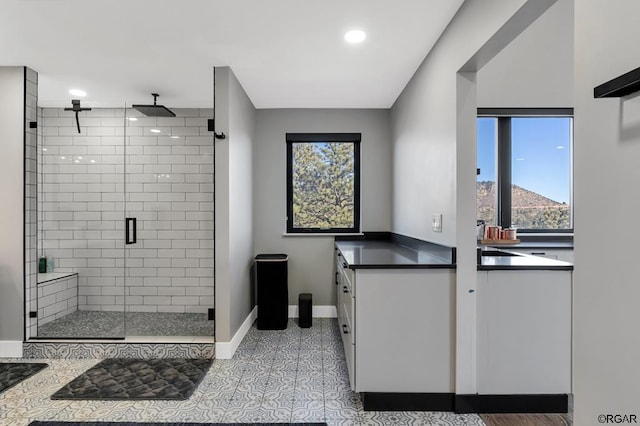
(323, 182)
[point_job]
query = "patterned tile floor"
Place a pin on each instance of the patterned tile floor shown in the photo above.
(295, 375)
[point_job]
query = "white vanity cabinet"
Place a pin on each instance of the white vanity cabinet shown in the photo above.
(405, 330)
(524, 332)
(397, 328)
(345, 307)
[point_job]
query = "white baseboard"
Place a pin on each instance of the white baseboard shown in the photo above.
(10, 349)
(225, 350)
(317, 311)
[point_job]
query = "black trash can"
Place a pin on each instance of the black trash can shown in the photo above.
(273, 293)
(305, 309)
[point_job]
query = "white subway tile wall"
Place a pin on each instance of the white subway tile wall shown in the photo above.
(30, 200)
(118, 168)
(57, 298)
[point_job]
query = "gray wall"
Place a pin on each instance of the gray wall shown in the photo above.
(12, 119)
(607, 149)
(235, 116)
(423, 122)
(242, 117)
(311, 257)
(535, 69)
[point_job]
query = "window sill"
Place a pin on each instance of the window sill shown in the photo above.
(323, 234)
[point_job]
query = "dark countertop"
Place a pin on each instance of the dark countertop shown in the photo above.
(524, 262)
(390, 255)
(399, 252)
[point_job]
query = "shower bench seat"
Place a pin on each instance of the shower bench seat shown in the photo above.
(57, 295)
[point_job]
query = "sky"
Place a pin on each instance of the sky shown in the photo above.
(540, 157)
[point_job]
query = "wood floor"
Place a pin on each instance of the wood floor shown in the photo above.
(526, 419)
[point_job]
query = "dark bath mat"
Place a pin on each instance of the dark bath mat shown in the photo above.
(137, 379)
(52, 423)
(12, 373)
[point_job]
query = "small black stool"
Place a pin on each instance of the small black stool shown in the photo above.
(304, 310)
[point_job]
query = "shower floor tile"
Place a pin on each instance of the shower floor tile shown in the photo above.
(98, 324)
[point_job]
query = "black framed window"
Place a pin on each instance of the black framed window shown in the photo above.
(525, 168)
(323, 182)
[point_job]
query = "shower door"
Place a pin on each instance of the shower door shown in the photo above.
(169, 198)
(81, 206)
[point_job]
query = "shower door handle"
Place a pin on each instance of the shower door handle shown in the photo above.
(130, 230)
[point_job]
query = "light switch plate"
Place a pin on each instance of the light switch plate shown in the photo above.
(436, 223)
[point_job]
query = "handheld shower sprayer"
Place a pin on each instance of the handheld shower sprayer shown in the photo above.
(76, 108)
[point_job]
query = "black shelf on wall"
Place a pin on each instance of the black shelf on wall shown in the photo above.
(623, 85)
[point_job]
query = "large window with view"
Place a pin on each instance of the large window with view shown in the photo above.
(524, 176)
(323, 182)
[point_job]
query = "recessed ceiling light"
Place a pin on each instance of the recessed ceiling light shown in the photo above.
(44, 149)
(175, 137)
(77, 92)
(154, 130)
(79, 158)
(133, 119)
(93, 161)
(355, 36)
(63, 158)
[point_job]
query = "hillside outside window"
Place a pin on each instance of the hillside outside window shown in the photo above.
(525, 169)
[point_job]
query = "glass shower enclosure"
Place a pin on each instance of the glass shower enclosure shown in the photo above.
(125, 224)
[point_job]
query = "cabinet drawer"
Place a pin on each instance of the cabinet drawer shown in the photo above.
(349, 352)
(343, 267)
(348, 275)
(346, 330)
(347, 307)
(339, 265)
(340, 298)
(347, 281)
(345, 285)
